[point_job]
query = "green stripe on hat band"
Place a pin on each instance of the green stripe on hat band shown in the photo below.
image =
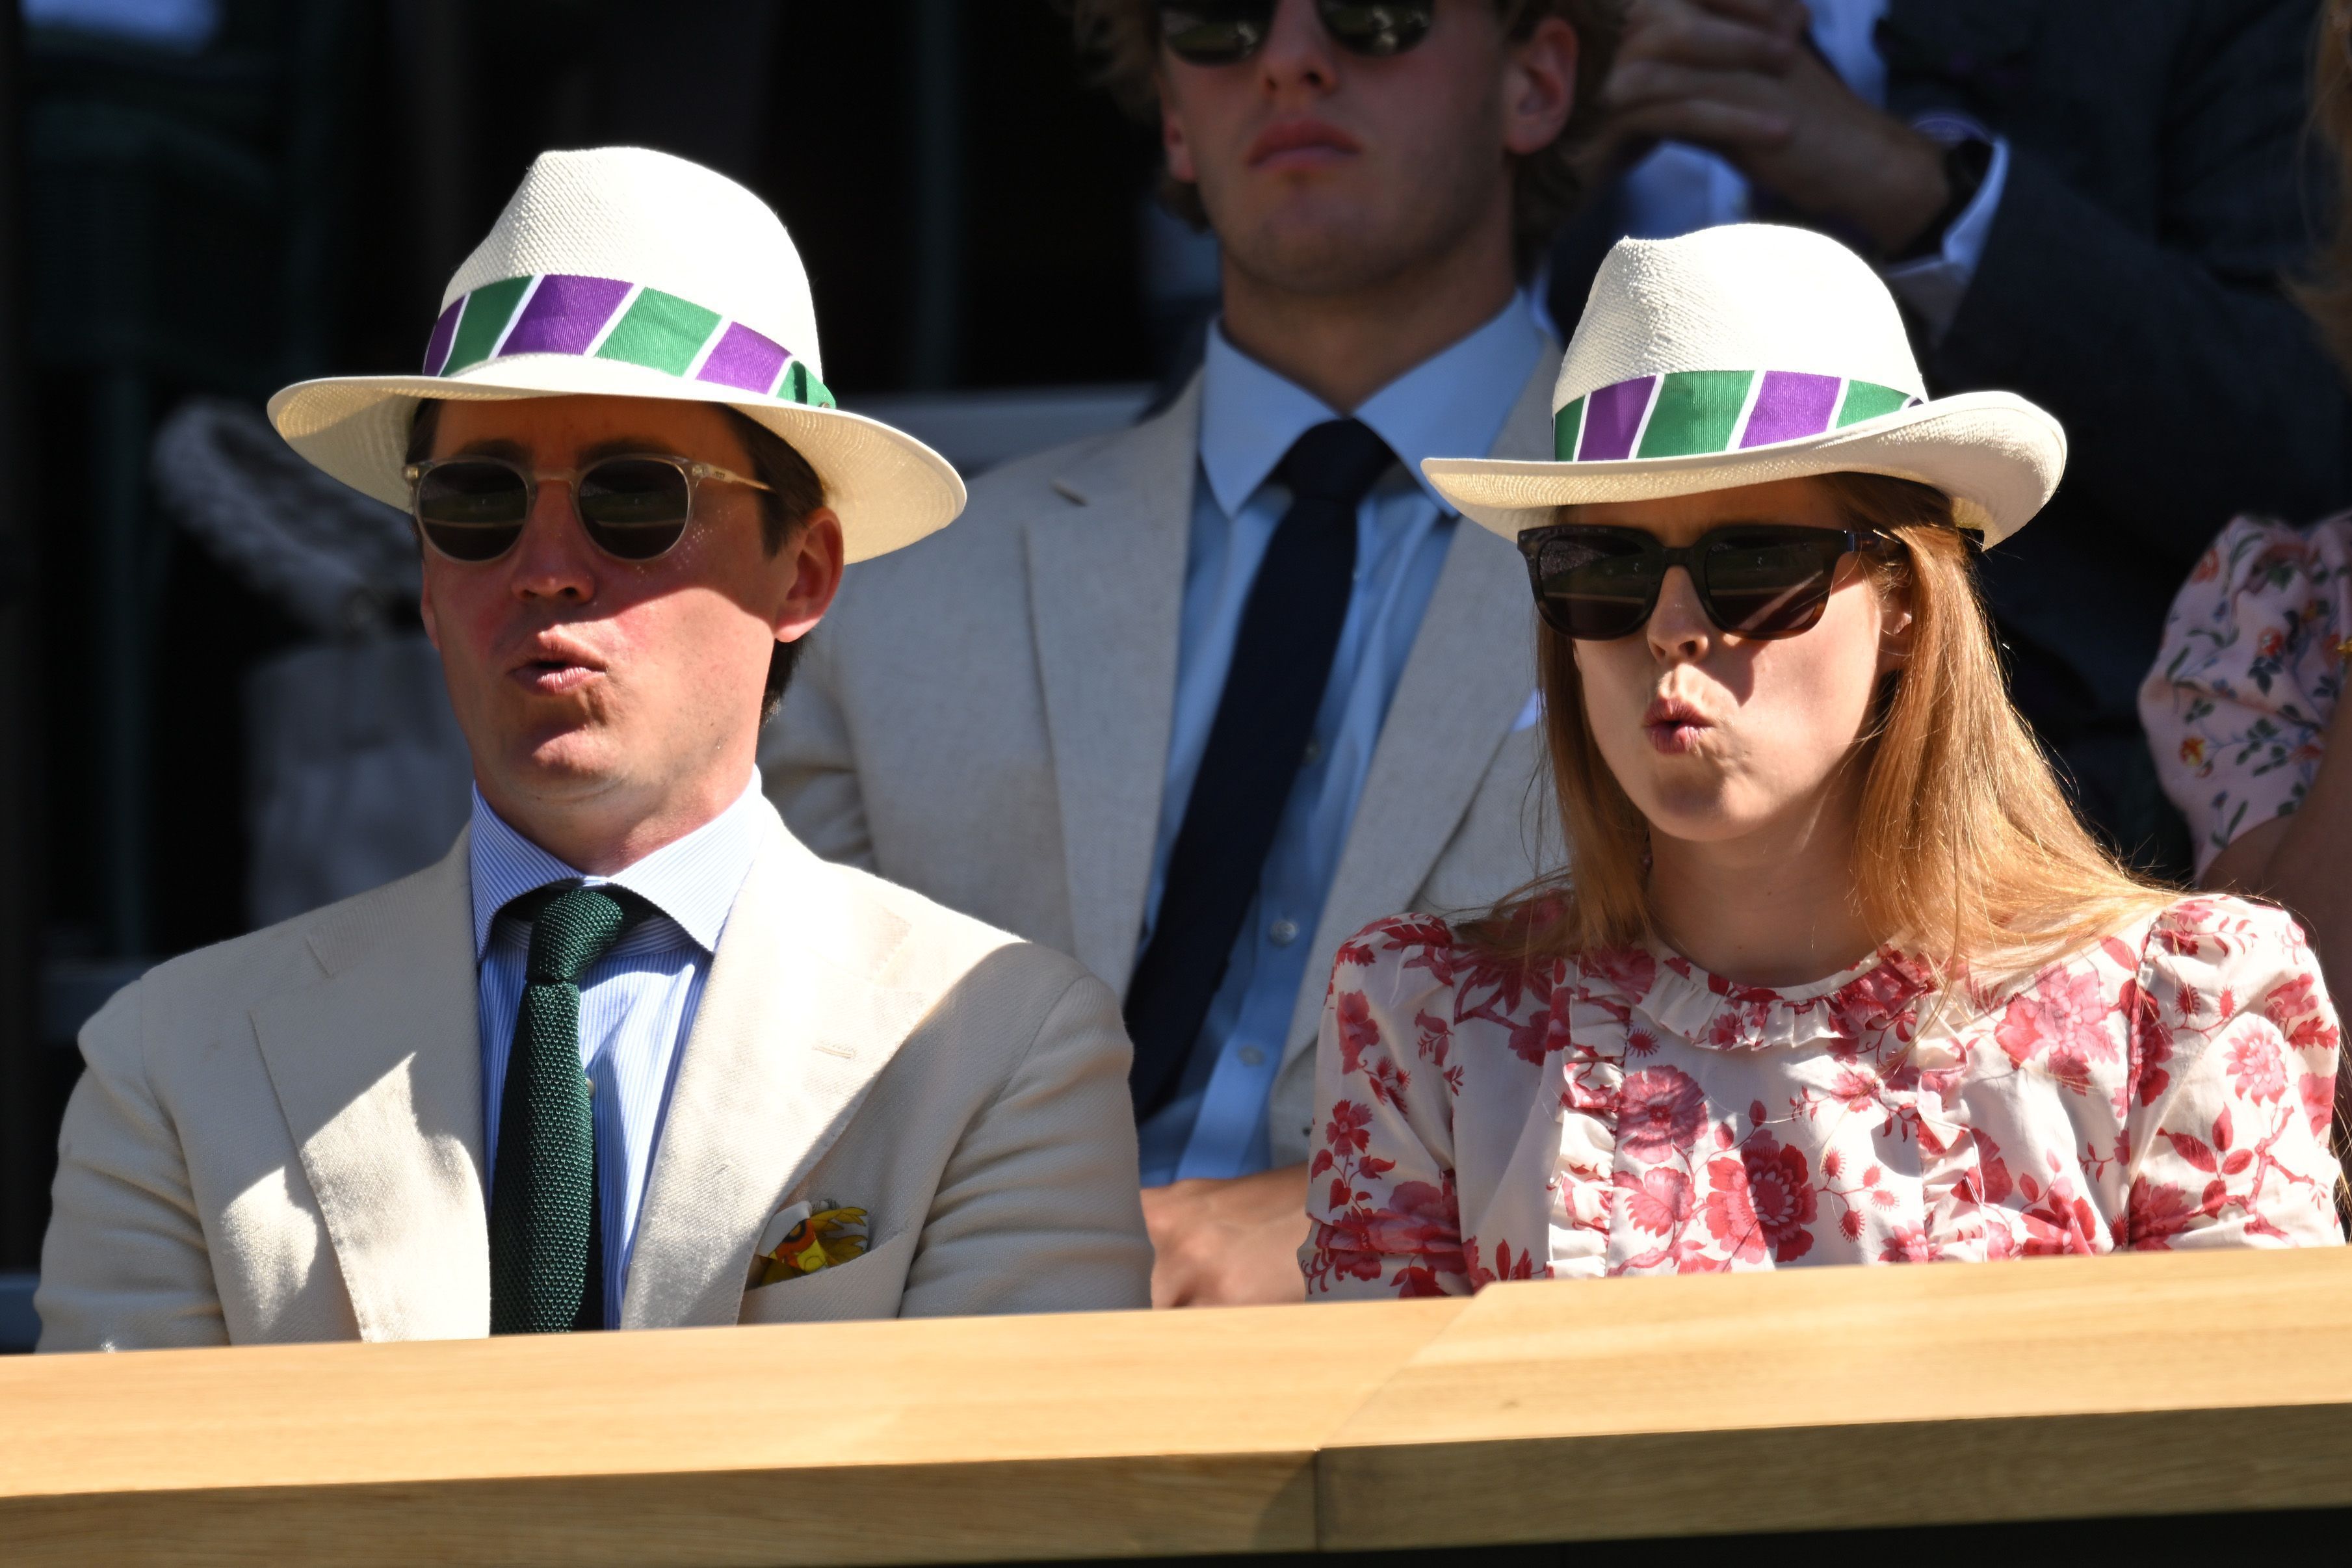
(1694, 412)
(607, 318)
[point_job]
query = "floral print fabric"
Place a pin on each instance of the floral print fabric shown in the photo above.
(2248, 676)
(1628, 1113)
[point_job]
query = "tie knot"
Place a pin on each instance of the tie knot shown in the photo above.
(573, 927)
(1338, 460)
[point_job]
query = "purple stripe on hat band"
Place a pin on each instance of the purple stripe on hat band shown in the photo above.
(564, 314)
(1613, 418)
(1789, 406)
(743, 358)
(445, 330)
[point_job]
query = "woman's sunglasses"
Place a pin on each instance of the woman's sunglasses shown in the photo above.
(1226, 32)
(1754, 579)
(631, 508)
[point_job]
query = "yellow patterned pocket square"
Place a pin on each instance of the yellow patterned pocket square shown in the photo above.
(806, 1236)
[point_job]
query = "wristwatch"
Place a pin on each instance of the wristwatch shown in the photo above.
(1966, 162)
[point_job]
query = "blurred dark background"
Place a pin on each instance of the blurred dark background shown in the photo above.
(211, 198)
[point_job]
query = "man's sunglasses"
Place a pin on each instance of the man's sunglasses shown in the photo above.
(1226, 32)
(631, 508)
(1754, 579)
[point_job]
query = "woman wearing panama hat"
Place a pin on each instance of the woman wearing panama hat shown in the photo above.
(1838, 976)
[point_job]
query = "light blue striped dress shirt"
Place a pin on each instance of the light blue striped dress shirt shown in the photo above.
(636, 1003)
(1451, 405)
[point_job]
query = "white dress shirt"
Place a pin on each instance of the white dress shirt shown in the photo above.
(637, 1003)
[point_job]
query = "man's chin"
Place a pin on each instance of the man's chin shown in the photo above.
(1317, 244)
(570, 765)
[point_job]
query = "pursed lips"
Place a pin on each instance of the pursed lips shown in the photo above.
(553, 666)
(1673, 726)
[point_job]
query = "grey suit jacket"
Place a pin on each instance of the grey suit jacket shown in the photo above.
(280, 1138)
(985, 717)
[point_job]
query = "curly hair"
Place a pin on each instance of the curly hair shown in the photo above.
(1120, 38)
(2326, 292)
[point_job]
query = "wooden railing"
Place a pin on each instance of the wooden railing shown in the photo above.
(1534, 1412)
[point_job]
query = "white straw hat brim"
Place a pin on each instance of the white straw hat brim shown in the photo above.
(888, 489)
(1997, 457)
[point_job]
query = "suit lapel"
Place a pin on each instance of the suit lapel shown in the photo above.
(1467, 678)
(790, 1031)
(1105, 593)
(378, 1072)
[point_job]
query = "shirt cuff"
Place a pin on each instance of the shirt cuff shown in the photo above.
(1933, 286)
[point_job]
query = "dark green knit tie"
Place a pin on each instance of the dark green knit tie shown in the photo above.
(546, 1252)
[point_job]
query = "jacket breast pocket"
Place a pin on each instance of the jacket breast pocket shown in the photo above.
(865, 1287)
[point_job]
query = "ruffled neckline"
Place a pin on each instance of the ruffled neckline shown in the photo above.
(1690, 1003)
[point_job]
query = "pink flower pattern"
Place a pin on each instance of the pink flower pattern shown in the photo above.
(1628, 1113)
(2248, 676)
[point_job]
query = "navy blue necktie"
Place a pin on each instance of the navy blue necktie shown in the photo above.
(1281, 664)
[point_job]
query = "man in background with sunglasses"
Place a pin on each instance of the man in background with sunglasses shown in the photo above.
(629, 1057)
(1197, 701)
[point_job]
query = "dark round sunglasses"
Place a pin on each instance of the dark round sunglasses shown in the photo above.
(1226, 32)
(632, 508)
(1754, 579)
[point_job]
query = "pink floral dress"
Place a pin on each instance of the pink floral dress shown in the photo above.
(1628, 1113)
(2248, 676)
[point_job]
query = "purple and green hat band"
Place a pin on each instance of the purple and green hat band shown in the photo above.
(1693, 412)
(604, 318)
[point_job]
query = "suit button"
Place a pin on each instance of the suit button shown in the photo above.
(1251, 1057)
(1283, 932)
(1313, 754)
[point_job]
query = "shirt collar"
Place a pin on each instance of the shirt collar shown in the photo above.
(693, 881)
(1451, 404)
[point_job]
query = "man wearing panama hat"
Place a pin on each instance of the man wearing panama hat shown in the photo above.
(629, 1055)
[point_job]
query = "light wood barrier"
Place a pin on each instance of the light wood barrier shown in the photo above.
(1536, 1412)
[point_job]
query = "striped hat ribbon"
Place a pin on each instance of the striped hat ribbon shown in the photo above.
(604, 318)
(1688, 412)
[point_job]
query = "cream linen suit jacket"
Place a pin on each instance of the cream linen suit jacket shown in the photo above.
(280, 1138)
(985, 718)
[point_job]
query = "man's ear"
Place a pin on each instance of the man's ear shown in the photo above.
(1173, 141)
(1539, 87)
(815, 555)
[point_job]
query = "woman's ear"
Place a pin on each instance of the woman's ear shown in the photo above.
(1898, 635)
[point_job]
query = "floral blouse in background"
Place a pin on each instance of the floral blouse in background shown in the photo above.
(2249, 675)
(1628, 1113)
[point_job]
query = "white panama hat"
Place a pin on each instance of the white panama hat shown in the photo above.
(1750, 353)
(631, 273)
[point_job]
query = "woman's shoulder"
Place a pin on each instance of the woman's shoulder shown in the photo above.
(2222, 922)
(1414, 953)
(1485, 964)
(2227, 948)
(2255, 558)
(1406, 961)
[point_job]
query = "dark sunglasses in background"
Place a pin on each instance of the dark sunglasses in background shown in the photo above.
(631, 508)
(1753, 579)
(1226, 32)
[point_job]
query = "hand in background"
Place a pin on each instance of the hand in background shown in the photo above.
(1737, 77)
(1228, 1243)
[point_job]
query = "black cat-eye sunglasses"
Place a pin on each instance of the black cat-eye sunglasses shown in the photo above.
(1597, 583)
